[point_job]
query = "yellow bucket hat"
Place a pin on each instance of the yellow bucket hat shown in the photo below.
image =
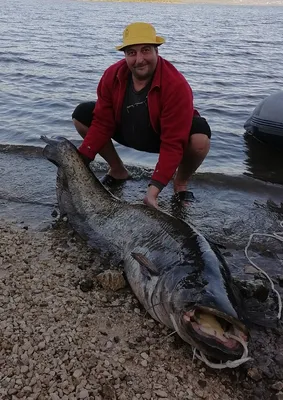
(140, 33)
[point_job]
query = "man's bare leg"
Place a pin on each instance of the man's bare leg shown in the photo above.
(195, 152)
(117, 169)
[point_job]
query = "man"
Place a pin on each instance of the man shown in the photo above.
(146, 104)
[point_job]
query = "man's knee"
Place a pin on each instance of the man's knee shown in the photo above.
(200, 125)
(200, 134)
(81, 129)
(199, 144)
(83, 113)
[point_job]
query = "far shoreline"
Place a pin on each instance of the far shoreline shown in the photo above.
(263, 3)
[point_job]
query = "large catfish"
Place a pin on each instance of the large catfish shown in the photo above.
(172, 269)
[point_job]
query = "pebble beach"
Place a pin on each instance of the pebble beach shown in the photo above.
(60, 340)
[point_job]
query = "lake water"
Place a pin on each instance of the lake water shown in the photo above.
(53, 53)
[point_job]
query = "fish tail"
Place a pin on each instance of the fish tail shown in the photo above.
(53, 148)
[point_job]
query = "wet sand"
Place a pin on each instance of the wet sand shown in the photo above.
(61, 342)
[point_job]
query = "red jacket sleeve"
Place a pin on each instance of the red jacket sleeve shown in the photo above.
(176, 120)
(103, 123)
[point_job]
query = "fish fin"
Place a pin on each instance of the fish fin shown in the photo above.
(145, 263)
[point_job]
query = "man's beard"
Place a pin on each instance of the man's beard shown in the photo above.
(142, 75)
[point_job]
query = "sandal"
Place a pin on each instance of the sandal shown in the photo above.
(185, 196)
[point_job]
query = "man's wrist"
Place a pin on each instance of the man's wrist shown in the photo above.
(153, 191)
(85, 159)
(157, 184)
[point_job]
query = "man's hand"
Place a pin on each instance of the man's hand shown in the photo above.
(150, 198)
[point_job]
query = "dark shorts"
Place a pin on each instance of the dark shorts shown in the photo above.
(83, 114)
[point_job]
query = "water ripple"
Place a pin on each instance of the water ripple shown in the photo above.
(53, 53)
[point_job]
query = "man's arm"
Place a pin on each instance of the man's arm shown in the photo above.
(103, 123)
(176, 121)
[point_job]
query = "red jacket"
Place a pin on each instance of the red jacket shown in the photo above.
(170, 103)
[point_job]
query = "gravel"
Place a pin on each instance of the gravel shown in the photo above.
(61, 342)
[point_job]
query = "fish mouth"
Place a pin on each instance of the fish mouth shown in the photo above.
(218, 334)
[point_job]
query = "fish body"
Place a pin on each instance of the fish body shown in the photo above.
(172, 269)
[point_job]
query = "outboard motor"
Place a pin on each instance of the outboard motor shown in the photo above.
(266, 121)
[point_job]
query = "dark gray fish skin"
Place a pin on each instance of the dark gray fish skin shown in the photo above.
(170, 267)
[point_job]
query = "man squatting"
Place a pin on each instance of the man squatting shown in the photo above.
(145, 103)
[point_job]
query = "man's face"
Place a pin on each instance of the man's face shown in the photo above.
(141, 60)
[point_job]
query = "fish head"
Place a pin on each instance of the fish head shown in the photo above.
(217, 334)
(206, 309)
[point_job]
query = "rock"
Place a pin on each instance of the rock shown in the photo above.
(41, 345)
(261, 293)
(279, 359)
(278, 386)
(24, 369)
(144, 363)
(109, 344)
(54, 396)
(147, 395)
(3, 273)
(254, 288)
(116, 339)
(15, 349)
(111, 280)
(246, 385)
(255, 374)
(249, 269)
(279, 396)
(54, 213)
(86, 285)
(108, 392)
(161, 393)
(83, 394)
(145, 356)
(12, 391)
(77, 373)
(227, 230)
(202, 383)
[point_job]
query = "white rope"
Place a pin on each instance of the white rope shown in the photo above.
(278, 236)
(228, 364)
